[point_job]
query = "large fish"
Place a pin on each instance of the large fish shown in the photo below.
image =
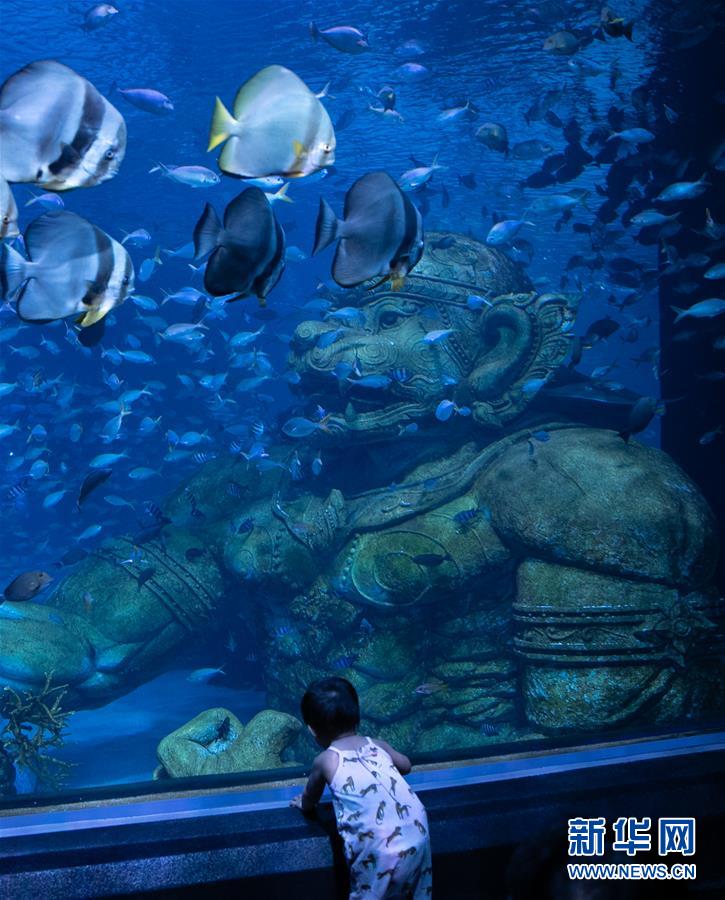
(279, 127)
(381, 234)
(247, 251)
(73, 268)
(56, 130)
(8, 212)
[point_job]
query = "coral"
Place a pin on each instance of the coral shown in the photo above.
(34, 723)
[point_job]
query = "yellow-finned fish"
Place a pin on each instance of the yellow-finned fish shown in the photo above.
(278, 127)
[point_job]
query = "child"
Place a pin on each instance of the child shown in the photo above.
(381, 821)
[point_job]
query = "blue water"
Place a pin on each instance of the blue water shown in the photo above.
(486, 51)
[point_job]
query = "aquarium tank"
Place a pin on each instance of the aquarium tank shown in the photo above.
(380, 341)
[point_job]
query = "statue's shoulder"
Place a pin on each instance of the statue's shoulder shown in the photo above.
(583, 496)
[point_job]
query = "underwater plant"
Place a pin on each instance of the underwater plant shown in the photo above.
(31, 722)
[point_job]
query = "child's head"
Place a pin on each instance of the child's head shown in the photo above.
(330, 707)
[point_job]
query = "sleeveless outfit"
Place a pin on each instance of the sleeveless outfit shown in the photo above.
(383, 826)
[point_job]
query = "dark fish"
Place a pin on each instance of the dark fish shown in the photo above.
(152, 511)
(623, 264)
(90, 483)
(431, 560)
(445, 198)
(57, 130)
(18, 490)
(345, 119)
(381, 234)
(144, 576)
(149, 533)
(26, 586)
(539, 180)
(614, 26)
(601, 329)
(245, 526)
(465, 516)
(72, 557)
(73, 268)
(247, 252)
(342, 662)
(93, 334)
(468, 181)
(234, 489)
(624, 279)
(639, 418)
(193, 553)
(551, 118)
(443, 243)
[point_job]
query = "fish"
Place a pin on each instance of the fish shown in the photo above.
(632, 136)
(683, 190)
(494, 136)
(247, 251)
(430, 687)
(380, 236)
(640, 415)
(531, 149)
(446, 408)
(146, 99)
(138, 238)
(714, 273)
(649, 217)
(26, 586)
(192, 176)
(8, 212)
(57, 130)
(705, 309)
(193, 553)
(202, 676)
(300, 427)
(562, 43)
(345, 38)
(143, 576)
(709, 436)
(414, 179)
(279, 127)
(90, 483)
(614, 26)
(412, 71)
(73, 269)
(504, 232)
(98, 16)
(432, 560)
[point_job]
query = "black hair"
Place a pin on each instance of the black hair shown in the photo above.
(331, 706)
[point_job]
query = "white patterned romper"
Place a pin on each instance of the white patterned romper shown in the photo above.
(383, 826)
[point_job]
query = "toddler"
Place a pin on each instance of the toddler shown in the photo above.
(381, 821)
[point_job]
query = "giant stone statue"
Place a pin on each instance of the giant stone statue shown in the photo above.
(518, 571)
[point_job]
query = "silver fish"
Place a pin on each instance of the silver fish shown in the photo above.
(57, 131)
(8, 212)
(279, 127)
(73, 268)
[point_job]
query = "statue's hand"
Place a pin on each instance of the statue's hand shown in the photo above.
(39, 640)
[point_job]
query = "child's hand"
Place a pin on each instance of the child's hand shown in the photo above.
(296, 801)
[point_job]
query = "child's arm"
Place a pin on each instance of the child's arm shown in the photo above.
(400, 760)
(309, 798)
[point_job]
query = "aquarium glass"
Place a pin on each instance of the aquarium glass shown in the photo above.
(468, 455)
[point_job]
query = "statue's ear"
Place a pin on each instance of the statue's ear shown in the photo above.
(523, 337)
